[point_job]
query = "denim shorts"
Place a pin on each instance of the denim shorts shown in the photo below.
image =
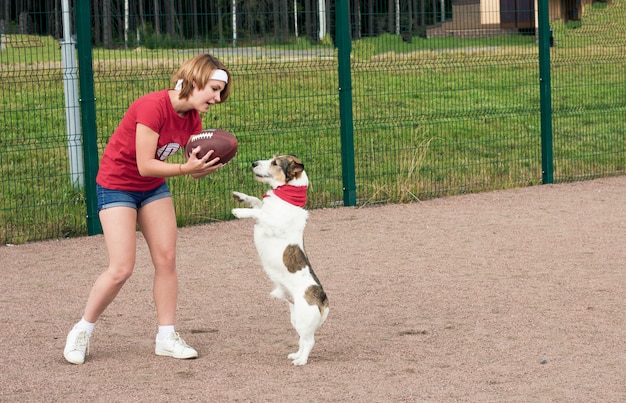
(108, 198)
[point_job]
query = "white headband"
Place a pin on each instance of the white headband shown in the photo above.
(220, 75)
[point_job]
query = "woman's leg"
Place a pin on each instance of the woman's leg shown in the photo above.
(157, 221)
(119, 227)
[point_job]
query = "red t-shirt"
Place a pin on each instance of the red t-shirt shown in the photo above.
(118, 168)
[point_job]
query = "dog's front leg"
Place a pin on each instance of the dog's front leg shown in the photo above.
(248, 200)
(258, 214)
(244, 212)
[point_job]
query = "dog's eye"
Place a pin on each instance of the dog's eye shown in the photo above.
(274, 162)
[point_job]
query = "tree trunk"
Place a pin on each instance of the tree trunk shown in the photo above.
(6, 16)
(141, 25)
(357, 20)
(220, 25)
(97, 26)
(370, 18)
(322, 25)
(170, 28)
(276, 15)
(58, 19)
(397, 17)
(390, 11)
(234, 16)
(157, 19)
(107, 25)
(410, 20)
(262, 13)
(308, 29)
(178, 14)
(194, 20)
(285, 18)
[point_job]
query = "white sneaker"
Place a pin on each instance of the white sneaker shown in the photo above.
(174, 346)
(76, 345)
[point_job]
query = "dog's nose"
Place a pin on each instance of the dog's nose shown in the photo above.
(254, 164)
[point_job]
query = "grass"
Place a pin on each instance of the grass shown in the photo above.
(387, 43)
(431, 118)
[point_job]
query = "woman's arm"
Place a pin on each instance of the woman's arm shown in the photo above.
(146, 144)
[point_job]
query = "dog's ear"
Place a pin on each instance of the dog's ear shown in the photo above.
(293, 167)
(297, 166)
(296, 160)
(296, 169)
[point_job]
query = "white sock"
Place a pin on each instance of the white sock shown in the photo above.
(165, 331)
(84, 325)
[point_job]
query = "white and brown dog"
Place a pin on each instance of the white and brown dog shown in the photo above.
(278, 236)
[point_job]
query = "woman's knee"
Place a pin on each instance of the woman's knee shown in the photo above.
(165, 258)
(119, 274)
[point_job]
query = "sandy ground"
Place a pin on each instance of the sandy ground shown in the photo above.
(514, 296)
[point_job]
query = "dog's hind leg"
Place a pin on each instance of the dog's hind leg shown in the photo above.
(305, 319)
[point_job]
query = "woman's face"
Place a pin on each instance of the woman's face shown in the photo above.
(202, 99)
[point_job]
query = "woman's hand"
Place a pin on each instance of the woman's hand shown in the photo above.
(148, 165)
(201, 167)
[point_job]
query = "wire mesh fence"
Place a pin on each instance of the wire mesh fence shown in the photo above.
(445, 99)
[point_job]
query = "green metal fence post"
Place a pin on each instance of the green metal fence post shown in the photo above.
(547, 158)
(344, 48)
(82, 16)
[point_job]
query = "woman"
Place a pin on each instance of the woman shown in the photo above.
(132, 191)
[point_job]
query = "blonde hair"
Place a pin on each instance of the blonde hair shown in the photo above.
(198, 71)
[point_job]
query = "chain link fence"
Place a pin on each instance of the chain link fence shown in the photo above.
(385, 103)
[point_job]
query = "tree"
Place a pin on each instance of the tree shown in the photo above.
(370, 18)
(97, 26)
(107, 28)
(194, 19)
(321, 12)
(170, 18)
(285, 21)
(357, 29)
(141, 26)
(157, 18)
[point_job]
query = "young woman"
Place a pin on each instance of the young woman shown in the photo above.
(132, 191)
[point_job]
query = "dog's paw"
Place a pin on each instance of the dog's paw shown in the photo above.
(240, 197)
(278, 293)
(239, 212)
(297, 359)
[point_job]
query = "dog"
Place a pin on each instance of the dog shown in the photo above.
(279, 240)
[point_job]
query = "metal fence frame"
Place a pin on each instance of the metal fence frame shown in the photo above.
(353, 149)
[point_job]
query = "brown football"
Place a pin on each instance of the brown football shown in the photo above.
(223, 144)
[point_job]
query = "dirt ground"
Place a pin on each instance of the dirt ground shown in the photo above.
(514, 296)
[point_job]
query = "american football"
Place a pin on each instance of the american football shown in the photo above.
(223, 144)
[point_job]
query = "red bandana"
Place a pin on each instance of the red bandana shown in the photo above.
(295, 195)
